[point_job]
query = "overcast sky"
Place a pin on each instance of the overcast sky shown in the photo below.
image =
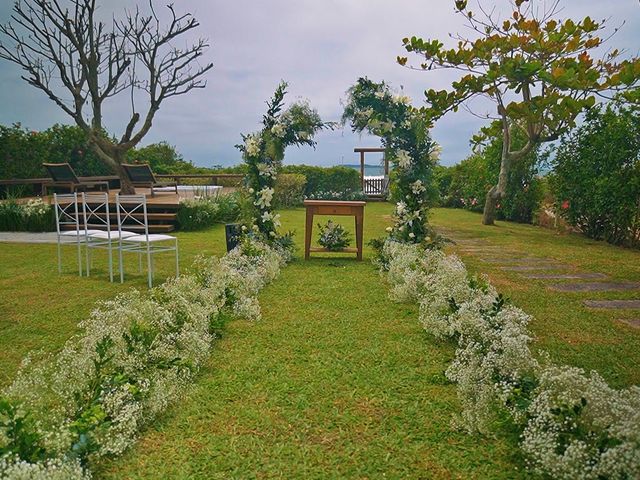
(320, 48)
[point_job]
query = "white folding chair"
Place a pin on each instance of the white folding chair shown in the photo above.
(97, 221)
(133, 210)
(68, 226)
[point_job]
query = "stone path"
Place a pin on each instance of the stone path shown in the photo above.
(566, 276)
(616, 304)
(529, 267)
(632, 322)
(594, 287)
(28, 237)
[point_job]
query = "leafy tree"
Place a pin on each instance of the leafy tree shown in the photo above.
(468, 182)
(538, 70)
(23, 151)
(596, 176)
(162, 157)
(78, 62)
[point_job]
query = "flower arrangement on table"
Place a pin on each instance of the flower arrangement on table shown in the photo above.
(333, 236)
(263, 152)
(404, 132)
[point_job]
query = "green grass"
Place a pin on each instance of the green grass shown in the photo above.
(336, 381)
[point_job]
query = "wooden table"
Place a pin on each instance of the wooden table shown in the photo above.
(331, 207)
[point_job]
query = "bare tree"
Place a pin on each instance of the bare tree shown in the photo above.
(80, 63)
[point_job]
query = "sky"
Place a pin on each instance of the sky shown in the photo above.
(320, 48)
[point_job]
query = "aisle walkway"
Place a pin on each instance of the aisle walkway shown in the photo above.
(335, 382)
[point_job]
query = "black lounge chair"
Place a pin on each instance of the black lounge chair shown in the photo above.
(62, 175)
(141, 175)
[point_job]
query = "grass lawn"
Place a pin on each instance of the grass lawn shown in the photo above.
(335, 381)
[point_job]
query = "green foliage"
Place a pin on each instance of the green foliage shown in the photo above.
(333, 236)
(520, 53)
(466, 184)
(33, 216)
(20, 435)
(539, 72)
(326, 179)
(596, 177)
(163, 158)
(289, 190)
(24, 151)
(200, 213)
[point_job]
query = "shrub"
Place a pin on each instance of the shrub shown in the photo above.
(326, 179)
(289, 190)
(163, 158)
(33, 216)
(596, 177)
(200, 213)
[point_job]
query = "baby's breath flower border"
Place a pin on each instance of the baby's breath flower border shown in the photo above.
(573, 425)
(137, 355)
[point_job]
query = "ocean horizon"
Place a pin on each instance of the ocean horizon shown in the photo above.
(369, 170)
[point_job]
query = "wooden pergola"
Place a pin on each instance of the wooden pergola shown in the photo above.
(372, 187)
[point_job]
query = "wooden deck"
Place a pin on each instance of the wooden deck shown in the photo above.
(161, 208)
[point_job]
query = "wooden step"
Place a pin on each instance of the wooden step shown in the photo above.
(150, 216)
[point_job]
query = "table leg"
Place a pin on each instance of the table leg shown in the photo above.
(307, 233)
(359, 227)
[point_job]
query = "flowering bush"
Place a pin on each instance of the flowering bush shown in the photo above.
(33, 216)
(333, 236)
(574, 426)
(137, 354)
(581, 428)
(404, 132)
(263, 153)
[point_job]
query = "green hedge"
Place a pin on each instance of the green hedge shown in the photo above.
(326, 179)
(466, 184)
(289, 190)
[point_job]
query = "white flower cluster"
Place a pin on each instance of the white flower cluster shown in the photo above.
(14, 469)
(137, 355)
(574, 426)
(264, 197)
(35, 207)
(252, 145)
(580, 427)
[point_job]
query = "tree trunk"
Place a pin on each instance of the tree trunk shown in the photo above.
(126, 187)
(113, 158)
(489, 214)
(497, 191)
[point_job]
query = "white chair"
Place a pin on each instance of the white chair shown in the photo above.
(133, 209)
(97, 221)
(68, 226)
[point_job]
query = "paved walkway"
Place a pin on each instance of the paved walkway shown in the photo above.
(28, 237)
